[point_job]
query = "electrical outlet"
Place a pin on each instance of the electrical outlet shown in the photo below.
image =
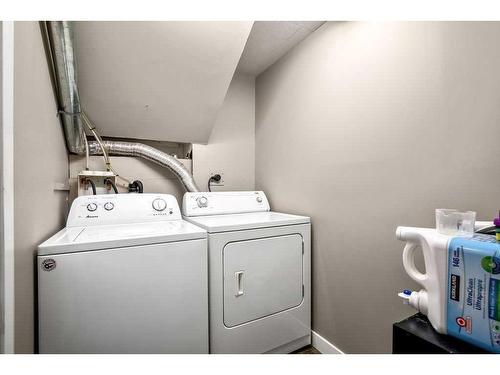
(221, 182)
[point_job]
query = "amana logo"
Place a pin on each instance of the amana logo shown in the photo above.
(48, 264)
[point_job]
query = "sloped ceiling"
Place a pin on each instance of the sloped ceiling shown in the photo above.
(157, 80)
(270, 40)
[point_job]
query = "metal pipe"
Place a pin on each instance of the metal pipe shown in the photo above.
(148, 153)
(98, 139)
(58, 37)
(62, 62)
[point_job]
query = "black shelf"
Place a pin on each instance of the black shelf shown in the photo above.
(415, 335)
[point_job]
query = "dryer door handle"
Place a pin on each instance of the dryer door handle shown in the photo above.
(239, 283)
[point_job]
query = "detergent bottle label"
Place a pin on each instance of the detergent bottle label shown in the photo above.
(473, 300)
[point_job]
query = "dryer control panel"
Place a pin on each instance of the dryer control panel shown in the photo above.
(122, 208)
(224, 202)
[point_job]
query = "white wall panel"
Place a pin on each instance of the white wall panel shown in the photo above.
(161, 81)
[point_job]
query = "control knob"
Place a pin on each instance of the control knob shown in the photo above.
(159, 204)
(108, 206)
(91, 207)
(202, 202)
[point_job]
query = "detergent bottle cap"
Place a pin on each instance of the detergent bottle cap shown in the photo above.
(496, 221)
(405, 295)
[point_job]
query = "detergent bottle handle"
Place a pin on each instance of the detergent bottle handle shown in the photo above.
(409, 264)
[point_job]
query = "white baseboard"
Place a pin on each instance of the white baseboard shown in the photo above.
(323, 345)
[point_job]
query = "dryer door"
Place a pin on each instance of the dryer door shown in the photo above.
(262, 277)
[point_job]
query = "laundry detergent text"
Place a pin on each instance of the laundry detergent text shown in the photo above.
(472, 311)
(475, 293)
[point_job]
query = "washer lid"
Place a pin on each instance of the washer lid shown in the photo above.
(75, 239)
(253, 220)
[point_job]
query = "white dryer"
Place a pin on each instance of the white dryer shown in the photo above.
(259, 272)
(126, 275)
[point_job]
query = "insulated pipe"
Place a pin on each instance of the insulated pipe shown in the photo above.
(148, 153)
(61, 56)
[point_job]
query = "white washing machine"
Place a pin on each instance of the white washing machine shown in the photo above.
(126, 275)
(259, 272)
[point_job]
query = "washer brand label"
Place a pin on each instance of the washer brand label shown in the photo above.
(48, 264)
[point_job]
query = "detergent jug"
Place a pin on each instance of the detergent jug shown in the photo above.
(461, 285)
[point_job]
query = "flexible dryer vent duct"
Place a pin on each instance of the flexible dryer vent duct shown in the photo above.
(61, 56)
(149, 153)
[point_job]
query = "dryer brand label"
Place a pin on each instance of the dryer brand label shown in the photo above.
(48, 264)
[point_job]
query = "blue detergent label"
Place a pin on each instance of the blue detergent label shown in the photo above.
(473, 309)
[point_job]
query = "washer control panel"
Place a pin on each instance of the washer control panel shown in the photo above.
(159, 204)
(122, 208)
(224, 202)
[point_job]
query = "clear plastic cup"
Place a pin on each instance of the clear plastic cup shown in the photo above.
(455, 223)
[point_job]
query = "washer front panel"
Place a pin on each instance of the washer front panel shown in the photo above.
(142, 299)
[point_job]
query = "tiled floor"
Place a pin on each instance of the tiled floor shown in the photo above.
(307, 350)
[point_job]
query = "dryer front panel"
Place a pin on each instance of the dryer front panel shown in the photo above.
(262, 277)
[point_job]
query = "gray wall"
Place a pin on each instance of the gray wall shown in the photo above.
(231, 146)
(40, 161)
(366, 126)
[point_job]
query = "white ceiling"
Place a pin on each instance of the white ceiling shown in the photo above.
(160, 81)
(270, 40)
(166, 81)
